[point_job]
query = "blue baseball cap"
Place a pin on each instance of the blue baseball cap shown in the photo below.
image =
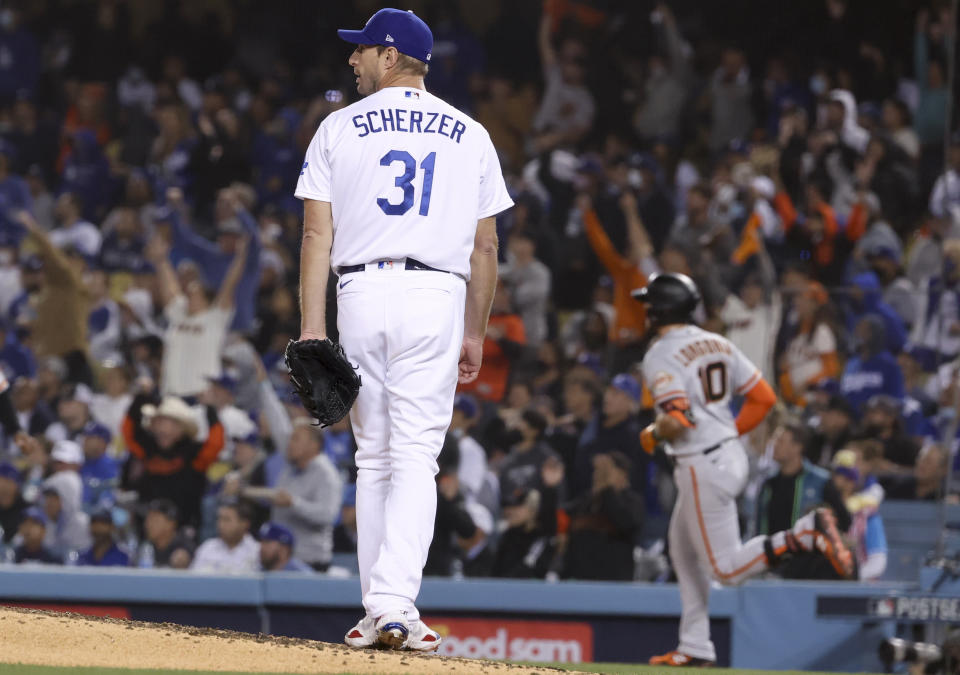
(37, 514)
(8, 470)
(97, 430)
(276, 532)
(226, 381)
(397, 28)
(628, 385)
(466, 404)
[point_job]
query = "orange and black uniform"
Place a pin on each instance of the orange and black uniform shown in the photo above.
(629, 315)
(491, 384)
(178, 474)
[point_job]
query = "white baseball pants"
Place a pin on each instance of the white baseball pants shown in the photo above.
(404, 329)
(705, 539)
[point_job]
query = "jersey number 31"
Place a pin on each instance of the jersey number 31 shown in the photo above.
(405, 182)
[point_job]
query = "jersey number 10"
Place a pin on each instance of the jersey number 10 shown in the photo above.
(405, 182)
(713, 377)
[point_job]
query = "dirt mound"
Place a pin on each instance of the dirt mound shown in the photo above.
(56, 639)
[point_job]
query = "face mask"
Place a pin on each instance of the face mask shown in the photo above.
(818, 84)
(635, 179)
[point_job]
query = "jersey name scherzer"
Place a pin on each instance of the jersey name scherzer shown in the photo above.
(706, 369)
(407, 176)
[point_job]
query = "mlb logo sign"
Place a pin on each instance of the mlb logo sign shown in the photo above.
(412, 94)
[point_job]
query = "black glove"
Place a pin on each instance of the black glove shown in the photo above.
(323, 378)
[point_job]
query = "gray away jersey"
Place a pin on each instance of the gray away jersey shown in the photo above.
(706, 369)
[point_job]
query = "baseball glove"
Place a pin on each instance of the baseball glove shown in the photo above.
(323, 378)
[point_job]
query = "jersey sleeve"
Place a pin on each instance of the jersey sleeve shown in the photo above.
(493, 190)
(314, 182)
(662, 379)
(744, 374)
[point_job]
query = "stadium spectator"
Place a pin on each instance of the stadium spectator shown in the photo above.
(866, 300)
(454, 530)
(33, 414)
(832, 429)
(109, 407)
(872, 370)
(73, 413)
(567, 108)
(883, 421)
(100, 471)
(233, 550)
(12, 503)
(307, 496)
(934, 339)
(529, 282)
(527, 547)
(197, 322)
(238, 243)
(168, 463)
(276, 550)
(927, 481)
(61, 305)
(477, 483)
(866, 529)
(163, 546)
(628, 325)
(604, 523)
(104, 552)
(618, 430)
(811, 355)
(33, 530)
(67, 528)
(503, 345)
(74, 232)
(522, 467)
(798, 487)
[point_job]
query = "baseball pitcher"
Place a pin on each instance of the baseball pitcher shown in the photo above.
(691, 375)
(400, 192)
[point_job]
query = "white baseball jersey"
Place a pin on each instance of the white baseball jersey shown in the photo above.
(706, 369)
(408, 176)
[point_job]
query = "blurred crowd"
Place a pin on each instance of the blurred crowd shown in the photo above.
(148, 270)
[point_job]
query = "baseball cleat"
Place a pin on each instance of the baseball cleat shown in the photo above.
(392, 630)
(829, 543)
(363, 635)
(422, 638)
(679, 659)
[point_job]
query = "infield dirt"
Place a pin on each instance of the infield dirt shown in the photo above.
(55, 639)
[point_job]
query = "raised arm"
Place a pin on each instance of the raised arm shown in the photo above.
(315, 268)
(57, 268)
(640, 247)
(548, 55)
(228, 289)
(158, 253)
(187, 243)
(480, 291)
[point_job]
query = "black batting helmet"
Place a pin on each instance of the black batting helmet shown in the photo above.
(670, 298)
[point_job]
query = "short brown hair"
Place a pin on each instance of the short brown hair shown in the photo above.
(407, 64)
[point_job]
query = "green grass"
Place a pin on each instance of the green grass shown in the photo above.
(611, 668)
(630, 669)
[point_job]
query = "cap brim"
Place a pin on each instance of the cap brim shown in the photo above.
(353, 36)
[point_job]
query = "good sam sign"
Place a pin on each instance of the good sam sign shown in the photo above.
(538, 641)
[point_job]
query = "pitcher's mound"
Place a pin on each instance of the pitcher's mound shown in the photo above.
(54, 639)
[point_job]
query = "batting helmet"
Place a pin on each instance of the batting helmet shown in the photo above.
(671, 298)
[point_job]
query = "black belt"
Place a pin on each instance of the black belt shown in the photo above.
(410, 265)
(712, 448)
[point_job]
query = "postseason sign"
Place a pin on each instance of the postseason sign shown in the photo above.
(926, 608)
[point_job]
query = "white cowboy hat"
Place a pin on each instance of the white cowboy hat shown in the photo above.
(176, 409)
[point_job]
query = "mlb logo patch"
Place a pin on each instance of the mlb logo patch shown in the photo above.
(385, 265)
(412, 94)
